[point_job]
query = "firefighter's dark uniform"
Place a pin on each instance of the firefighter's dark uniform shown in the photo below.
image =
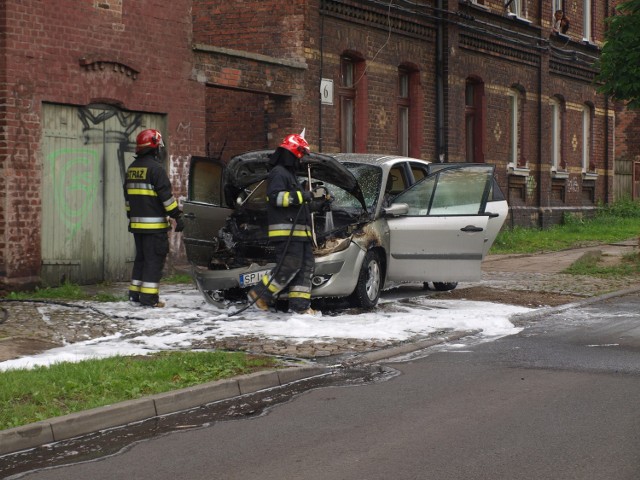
(148, 199)
(288, 216)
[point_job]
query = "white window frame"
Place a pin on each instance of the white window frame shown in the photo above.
(587, 141)
(403, 113)
(556, 135)
(514, 101)
(586, 23)
(517, 9)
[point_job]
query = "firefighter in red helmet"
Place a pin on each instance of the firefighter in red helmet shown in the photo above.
(290, 230)
(149, 202)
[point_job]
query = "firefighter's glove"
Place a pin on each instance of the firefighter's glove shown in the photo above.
(179, 224)
(307, 196)
(322, 204)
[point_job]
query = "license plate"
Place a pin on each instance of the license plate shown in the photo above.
(248, 279)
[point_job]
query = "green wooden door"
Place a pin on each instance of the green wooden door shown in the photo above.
(86, 151)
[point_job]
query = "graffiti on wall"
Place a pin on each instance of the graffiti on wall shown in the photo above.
(75, 178)
(78, 171)
(97, 130)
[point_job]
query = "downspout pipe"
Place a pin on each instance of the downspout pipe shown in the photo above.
(540, 145)
(321, 76)
(440, 137)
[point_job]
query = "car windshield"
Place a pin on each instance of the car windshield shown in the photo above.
(369, 178)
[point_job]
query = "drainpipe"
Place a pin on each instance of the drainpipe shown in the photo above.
(540, 103)
(321, 76)
(440, 141)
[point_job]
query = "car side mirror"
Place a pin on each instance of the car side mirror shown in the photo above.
(396, 209)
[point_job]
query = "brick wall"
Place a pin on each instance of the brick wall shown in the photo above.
(269, 27)
(133, 54)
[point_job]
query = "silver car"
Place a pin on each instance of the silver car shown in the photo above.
(392, 220)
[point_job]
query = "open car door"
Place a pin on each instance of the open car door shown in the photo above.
(442, 236)
(205, 210)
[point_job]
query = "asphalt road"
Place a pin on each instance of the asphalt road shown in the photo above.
(557, 401)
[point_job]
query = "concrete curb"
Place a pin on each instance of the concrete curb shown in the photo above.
(96, 419)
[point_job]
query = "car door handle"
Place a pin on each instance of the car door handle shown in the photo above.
(190, 215)
(493, 215)
(471, 228)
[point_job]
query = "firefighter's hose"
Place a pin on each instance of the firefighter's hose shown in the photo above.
(277, 267)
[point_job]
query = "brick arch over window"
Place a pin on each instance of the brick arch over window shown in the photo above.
(410, 105)
(353, 111)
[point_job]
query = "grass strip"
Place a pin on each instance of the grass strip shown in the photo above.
(28, 396)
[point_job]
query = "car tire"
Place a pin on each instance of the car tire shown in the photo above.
(369, 284)
(444, 286)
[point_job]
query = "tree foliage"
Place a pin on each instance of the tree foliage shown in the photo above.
(620, 60)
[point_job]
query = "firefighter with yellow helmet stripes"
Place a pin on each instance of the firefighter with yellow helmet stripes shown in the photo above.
(149, 202)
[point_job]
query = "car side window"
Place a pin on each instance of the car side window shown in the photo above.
(205, 182)
(461, 191)
(418, 171)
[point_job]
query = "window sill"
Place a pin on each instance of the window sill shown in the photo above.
(562, 174)
(589, 175)
(513, 169)
(519, 19)
(588, 43)
(471, 3)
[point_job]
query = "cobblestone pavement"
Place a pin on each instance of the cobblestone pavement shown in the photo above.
(529, 280)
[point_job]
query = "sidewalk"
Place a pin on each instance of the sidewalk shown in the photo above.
(23, 331)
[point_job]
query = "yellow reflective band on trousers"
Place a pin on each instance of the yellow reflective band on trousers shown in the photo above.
(150, 226)
(150, 289)
(271, 286)
(304, 295)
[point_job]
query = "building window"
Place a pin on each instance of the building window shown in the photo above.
(409, 107)
(474, 120)
(516, 130)
(353, 113)
(347, 105)
(587, 20)
(588, 165)
(404, 102)
(557, 116)
(516, 8)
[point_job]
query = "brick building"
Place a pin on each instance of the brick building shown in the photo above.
(78, 81)
(443, 80)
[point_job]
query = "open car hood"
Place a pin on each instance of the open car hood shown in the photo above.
(249, 168)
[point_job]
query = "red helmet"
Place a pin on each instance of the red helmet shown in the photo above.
(296, 144)
(148, 139)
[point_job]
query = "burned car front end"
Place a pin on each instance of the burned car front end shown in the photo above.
(238, 252)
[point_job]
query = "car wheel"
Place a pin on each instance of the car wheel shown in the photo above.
(369, 285)
(444, 286)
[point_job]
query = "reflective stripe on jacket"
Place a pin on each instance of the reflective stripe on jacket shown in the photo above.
(285, 206)
(148, 197)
